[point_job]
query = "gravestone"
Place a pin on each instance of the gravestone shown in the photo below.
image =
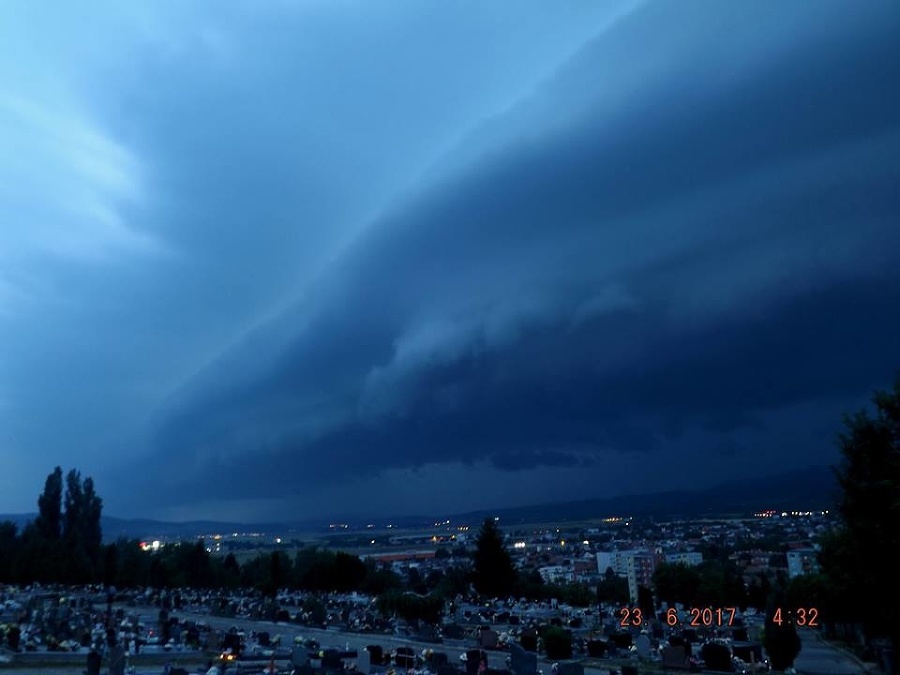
(231, 642)
(192, 635)
(474, 657)
(571, 668)
(376, 653)
(93, 662)
(629, 670)
(521, 661)
(299, 656)
(679, 640)
(674, 657)
(716, 657)
(596, 649)
(621, 640)
(454, 631)
(749, 652)
(117, 660)
(489, 639)
(428, 633)
(331, 660)
(642, 646)
(405, 657)
(529, 639)
(739, 634)
(364, 662)
(438, 659)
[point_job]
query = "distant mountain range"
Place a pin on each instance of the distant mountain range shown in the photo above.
(813, 488)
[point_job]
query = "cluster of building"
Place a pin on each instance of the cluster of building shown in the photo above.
(764, 544)
(634, 550)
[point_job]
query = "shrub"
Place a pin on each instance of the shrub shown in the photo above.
(557, 643)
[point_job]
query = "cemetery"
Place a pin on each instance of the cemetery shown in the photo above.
(84, 627)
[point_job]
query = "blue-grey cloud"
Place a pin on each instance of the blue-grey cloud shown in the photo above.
(701, 236)
(648, 243)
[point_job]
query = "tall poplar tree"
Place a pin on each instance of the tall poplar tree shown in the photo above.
(48, 523)
(91, 512)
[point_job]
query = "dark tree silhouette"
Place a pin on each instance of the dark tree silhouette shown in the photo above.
(73, 518)
(677, 582)
(557, 643)
(279, 570)
(613, 589)
(869, 545)
(8, 548)
(780, 636)
(110, 565)
(758, 592)
(81, 533)
(92, 509)
(494, 573)
(645, 601)
(412, 607)
(48, 523)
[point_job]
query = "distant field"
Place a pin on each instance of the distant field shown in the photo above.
(357, 542)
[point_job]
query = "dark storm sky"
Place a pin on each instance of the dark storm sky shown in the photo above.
(284, 260)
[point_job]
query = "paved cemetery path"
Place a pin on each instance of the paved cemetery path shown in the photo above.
(327, 638)
(817, 657)
(338, 639)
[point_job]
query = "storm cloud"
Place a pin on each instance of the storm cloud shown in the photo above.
(386, 273)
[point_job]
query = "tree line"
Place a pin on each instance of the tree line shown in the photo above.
(64, 542)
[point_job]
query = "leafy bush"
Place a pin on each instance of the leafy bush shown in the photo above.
(557, 643)
(782, 644)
